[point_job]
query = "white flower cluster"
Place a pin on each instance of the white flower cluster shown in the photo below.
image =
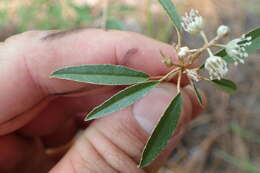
(236, 49)
(217, 67)
(193, 22)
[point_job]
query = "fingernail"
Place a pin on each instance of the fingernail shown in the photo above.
(148, 110)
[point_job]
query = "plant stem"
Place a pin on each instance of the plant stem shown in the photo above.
(192, 50)
(205, 79)
(219, 45)
(169, 74)
(179, 38)
(179, 81)
(155, 77)
(166, 58)
(194, 56)
(202, 33)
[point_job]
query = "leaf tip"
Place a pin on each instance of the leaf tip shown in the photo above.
(53, 74)
(88, 117)
(143, 164)
(140, 165)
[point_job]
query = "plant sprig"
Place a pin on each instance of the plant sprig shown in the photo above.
(234, 52)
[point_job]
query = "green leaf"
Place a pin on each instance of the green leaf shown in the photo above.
(122, 99)
(172, 12)
(225, 85)
(102, 74)
(162, 132)
(197, 93)
(255, 34)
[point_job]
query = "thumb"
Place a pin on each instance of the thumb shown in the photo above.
(115, 143)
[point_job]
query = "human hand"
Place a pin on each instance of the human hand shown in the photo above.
(38, 113)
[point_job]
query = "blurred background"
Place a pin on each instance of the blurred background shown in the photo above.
(226, 138)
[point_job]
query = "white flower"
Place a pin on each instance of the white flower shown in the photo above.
(223, 30)
(236, 48)
(193, 22)
(216, 66)
(184, 51)
(193, 74)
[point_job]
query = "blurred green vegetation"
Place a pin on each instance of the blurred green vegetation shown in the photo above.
(49, 14)
(45, 14)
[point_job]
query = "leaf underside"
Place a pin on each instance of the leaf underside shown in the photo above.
(225, 85)
(162, 133)
(172, 12)
(102, 74)
(122, 99)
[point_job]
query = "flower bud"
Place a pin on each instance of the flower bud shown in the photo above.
(223, 31)
(183, 52)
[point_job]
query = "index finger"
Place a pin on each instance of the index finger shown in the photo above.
(28, 59)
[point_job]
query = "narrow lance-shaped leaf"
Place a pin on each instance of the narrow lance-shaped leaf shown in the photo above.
(122, 99)
(163, 131)
(102, 74)
(225, 85)
(255, 34)
(197, 93)
(172, 12)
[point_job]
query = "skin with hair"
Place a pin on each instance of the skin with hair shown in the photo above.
(39, 115)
